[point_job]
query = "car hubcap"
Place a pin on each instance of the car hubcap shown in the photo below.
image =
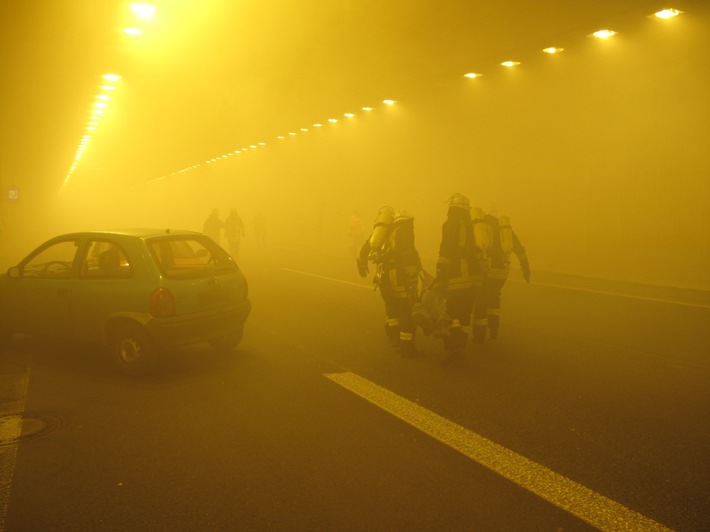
(129, 351)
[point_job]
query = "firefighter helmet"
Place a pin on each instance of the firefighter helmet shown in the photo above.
(402, 216)
(460, 201)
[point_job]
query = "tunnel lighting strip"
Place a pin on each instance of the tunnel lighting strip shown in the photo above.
(147, 11)
(551, 50)
(576, 499)
(142, 13)
(280, 137)
(98, 109)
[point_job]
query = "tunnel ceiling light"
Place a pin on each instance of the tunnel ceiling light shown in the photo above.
(604, 34)
(510, 64)
(304, 129)
(472, 75)
(107, 88)
(349, 115)
(332, 120)
(668, 13)
(389, 102)
(103, 97)
(367, 108)
(111, 77)
(291, 133)
(133, 31)
(144, 11)
(317, 125)
(553, 50)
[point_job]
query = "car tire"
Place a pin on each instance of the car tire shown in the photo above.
(227, 343)
(132, 351)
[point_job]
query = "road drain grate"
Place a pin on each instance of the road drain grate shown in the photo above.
(18, 427)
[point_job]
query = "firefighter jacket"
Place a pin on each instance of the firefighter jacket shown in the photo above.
(460, 263)
(498, 259)
(398, 262)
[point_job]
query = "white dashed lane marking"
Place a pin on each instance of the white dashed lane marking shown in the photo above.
(584, 503)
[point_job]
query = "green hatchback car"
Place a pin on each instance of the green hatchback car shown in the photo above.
(134, 291)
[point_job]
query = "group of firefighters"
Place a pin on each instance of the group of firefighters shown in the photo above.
(463, 299)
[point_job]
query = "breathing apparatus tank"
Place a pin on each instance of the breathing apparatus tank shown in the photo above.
(385, 217)
(480, 229)
(506, 235)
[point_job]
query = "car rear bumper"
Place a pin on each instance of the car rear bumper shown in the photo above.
(198, 327)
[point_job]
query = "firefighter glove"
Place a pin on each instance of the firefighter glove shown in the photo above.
(362, 268)
(526, 270)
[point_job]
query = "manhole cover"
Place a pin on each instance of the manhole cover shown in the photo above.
(19, 427)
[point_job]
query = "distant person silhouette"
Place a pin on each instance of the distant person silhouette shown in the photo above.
(233, 232)
(213, 226)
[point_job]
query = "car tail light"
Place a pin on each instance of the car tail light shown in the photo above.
(162, 303)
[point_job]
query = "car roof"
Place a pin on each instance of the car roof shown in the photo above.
(135, 232)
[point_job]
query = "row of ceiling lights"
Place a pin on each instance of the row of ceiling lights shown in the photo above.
(146, 12)
(600, 34)
(141, 13)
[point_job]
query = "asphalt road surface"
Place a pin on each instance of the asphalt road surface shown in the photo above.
(589, 412)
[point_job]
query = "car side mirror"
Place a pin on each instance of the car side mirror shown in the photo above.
(14, 272)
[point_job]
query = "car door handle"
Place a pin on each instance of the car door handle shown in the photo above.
(63, 292)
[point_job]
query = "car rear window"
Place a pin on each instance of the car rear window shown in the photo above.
(190, 257)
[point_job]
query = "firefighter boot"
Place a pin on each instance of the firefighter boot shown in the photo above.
(392, 331)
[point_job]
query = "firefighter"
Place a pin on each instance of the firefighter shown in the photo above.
(233, 232)
(392, 250)
(459, 273)
(213, 226)
(503, 242)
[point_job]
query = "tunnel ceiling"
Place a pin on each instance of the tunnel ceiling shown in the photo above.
(208, 77)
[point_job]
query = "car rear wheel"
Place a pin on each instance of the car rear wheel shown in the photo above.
(132, 350)
(227, 343)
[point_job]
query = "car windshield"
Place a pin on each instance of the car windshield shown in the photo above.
(182, 257)
(54, 261)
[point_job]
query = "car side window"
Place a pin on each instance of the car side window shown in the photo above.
(190, 257)
(105, 260)
(52, 262)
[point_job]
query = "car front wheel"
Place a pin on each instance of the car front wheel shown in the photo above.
(132, 350)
